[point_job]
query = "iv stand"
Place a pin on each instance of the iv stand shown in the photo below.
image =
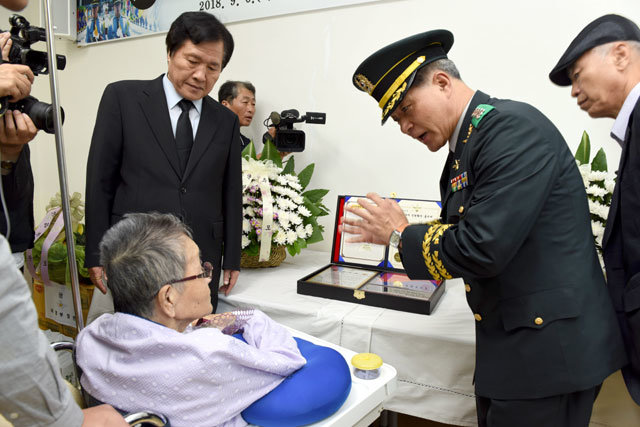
(62, 167)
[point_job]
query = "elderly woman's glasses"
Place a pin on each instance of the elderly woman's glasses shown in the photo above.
(207, 269)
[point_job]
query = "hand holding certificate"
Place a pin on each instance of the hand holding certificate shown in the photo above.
(378, 218)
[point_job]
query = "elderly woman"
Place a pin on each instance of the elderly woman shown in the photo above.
(148, 354)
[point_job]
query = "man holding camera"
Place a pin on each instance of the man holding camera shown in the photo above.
(164, 145)
(32, 392)
(16, 130)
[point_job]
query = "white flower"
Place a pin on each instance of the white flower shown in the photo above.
(598, 175)
(304, 211)
(281, 237)
(301, 232)
(245, 241)
(598, 231)
(598, 209)
(309, 229)
(292, 236)
(609, 185)
(596, 190)
(246, 226)
(295, 219)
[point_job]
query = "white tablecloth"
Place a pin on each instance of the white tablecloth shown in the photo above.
(434, 355)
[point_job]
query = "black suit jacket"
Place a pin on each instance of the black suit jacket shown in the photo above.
(133, 167)
(518, 233)
(621, 250)
(18, 192)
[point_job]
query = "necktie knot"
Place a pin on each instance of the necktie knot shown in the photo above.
(185, 105)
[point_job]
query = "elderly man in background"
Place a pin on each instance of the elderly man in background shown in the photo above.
(602, 66)
(148, 354)
(239, 97)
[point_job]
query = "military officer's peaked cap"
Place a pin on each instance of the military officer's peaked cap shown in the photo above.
(606, 29)
(388, 74)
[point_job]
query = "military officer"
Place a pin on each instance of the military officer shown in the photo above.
(514, 226)
(602, 66)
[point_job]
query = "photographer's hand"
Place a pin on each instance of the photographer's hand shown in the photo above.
(5, 45)
(15, 81)
(16, 129)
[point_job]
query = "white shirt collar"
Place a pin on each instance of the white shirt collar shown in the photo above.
(454, 137)
(619, 129)
(174, 97)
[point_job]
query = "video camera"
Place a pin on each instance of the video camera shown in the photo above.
(289, 139)
(23, 34)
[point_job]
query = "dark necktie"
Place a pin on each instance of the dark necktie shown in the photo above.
(184, 134)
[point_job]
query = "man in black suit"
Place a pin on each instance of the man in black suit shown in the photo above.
(602, 66)
(514, 226)
(164, 145)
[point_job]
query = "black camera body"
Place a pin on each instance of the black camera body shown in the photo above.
(289, 139)
(23, 34)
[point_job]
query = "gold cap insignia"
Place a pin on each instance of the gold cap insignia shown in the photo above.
(363, 83)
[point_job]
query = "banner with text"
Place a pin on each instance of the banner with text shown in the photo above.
(104, 20)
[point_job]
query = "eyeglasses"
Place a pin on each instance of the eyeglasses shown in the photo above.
(207, 269)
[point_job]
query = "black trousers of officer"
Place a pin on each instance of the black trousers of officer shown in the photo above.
(565, 410)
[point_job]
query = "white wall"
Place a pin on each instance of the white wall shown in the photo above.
(305, 61)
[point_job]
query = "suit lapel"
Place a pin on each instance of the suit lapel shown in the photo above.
(207, 128)
(615, 199)
(154, 106)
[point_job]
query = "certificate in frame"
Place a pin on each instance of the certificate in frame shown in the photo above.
(373, 274)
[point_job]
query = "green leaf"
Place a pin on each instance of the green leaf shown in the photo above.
(250, 151)
(305, 175)
(270, 152)
(289, 168)
(583, 153)
(315, 211)
(599, 162)
(316, 236)
(315, 195)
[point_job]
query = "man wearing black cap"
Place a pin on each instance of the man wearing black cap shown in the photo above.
(602, 66)
(514, 225)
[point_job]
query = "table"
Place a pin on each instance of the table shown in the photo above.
(433, 355)
(364, 403)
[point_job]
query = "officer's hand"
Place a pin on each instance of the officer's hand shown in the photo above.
(103, 415)
(95, 274)
(15, 81)
(229, 279)
(377, 220)
(16, 129)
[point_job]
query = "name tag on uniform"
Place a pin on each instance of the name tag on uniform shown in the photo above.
(459, 182)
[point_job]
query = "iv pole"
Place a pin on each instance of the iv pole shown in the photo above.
(62, 167)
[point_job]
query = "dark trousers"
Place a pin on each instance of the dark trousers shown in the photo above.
(214, 284)
(565, 410)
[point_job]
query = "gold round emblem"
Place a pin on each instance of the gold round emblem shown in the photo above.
(363, 83)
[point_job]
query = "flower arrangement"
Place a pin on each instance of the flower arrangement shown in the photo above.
(58, 265)
(276, 209)
(599, 184)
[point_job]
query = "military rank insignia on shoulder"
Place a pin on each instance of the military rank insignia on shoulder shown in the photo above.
(480, 111)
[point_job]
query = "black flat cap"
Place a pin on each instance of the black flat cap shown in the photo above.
(606, 29)
(388, 74)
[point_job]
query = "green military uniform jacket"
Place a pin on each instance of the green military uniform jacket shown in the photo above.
(515, 226)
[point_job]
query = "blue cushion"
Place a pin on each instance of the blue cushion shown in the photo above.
(310, 394)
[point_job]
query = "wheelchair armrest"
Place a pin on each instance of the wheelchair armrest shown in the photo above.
(146, 418)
